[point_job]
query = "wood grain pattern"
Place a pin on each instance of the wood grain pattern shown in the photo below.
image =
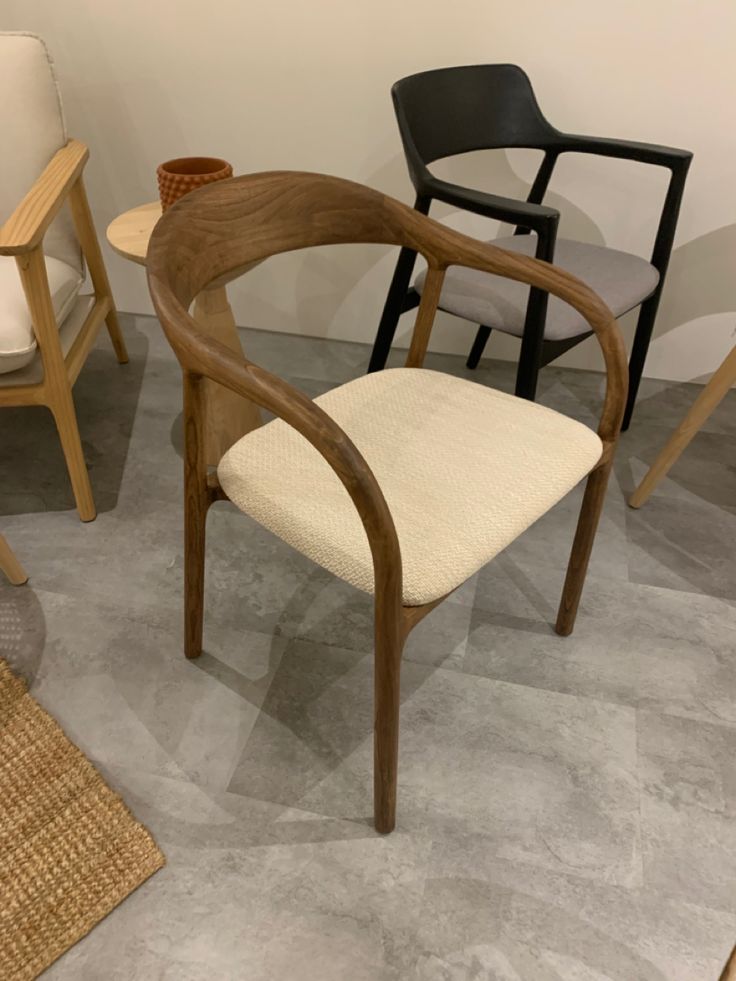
(22, 236)
(425, 317)
(10, 565)
(27, 225)
(703, 406)
(225, 227)
(130, 233)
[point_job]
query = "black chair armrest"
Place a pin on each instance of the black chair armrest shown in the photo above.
(538, 217)
(649, 153)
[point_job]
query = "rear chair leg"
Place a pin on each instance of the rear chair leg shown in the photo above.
(479, 344)
(116, 335)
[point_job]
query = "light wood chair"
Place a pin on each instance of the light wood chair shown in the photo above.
(403, 482)
(10, 565)
(47, 328)
(703, 406)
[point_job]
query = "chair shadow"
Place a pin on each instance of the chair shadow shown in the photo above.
(106, 395)
(22, 630)
(306, 661)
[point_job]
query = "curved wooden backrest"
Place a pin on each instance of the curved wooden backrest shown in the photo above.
(231, 225)
(234, 224)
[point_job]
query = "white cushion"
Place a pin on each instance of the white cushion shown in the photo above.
(464, 469)
(17, 339)
(621, 280)
(32, 130)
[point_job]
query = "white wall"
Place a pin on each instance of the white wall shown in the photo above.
(306, 86)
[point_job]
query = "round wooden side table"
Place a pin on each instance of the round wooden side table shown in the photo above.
(227, 415)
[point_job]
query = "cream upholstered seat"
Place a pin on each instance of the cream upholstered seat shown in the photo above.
(464, 469)
(622, 281)
(17, 337)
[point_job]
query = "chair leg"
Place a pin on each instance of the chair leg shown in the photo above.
(590, 513)
(10, 565)
(639, 350)
(527, 375)
(116, 336)
(392, 310)
(389, 644)
(62, 409)
(700, 410)
(532, 343)
(196, 505)
(476, 351)
(87, 236)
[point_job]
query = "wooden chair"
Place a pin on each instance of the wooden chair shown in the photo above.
(402, 482)
(449, 111)
(706, 403)
(47, 328)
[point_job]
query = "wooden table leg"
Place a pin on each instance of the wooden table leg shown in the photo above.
(10, 565)
(702, 407)
(228, 416)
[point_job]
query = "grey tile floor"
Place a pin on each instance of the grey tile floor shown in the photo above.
(567, 806)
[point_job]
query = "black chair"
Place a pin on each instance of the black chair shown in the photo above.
(450, 111)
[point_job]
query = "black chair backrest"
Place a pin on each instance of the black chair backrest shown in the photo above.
(476, 107)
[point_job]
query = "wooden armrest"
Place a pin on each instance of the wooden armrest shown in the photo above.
(25, 228)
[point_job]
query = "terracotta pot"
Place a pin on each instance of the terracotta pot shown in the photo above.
(178, 177)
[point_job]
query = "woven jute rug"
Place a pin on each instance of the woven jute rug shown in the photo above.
(70, 850)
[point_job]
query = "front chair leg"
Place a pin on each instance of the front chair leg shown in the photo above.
(196, 505)
(62, 409)
(590, 513)
(479, 344)
(389, 643)
(10, 565)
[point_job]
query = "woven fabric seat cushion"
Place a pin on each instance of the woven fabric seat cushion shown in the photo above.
(17, 338)
(622, 280)
(464, 470)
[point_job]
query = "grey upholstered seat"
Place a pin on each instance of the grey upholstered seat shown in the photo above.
(622, 280)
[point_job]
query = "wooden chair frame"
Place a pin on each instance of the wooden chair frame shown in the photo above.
(22, 237)
(235, 223)
(702, 408)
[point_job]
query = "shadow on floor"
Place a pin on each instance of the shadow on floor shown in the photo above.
(106, 397)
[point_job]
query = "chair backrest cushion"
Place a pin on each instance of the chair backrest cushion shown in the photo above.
(31, 131)
(448, 111)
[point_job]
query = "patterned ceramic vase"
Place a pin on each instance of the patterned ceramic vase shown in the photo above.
(178, 177)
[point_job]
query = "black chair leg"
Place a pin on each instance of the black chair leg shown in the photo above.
(644, 328)
(392, 310)
(476, 351)
(532, 343)
(526, 380)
